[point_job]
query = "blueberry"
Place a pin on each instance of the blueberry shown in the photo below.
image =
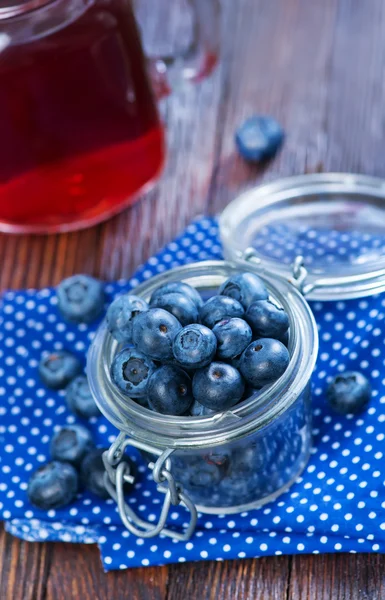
(181, 306)
(92, 473)
(267, 320)
(244, 287)
(153, 333)
(203, 475)
(169, 391)
(248, 460)
(218, 386)
(349, 392)
(198, 410)
(131, 371)
(180, 288)
(233, 336)
(120, 315)
(264, 361)
(53, 485)
(79, 398)
(58, 369)
(142, 401)
(80, 298)
(259, 138)
(71, 443)
(195, 346)
(218, 308)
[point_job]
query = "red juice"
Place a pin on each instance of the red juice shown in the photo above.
(80, 132)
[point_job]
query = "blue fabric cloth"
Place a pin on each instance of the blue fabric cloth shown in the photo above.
(337, 505)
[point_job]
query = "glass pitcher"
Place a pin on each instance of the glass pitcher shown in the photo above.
(80, 133)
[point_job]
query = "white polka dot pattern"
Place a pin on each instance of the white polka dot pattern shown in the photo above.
(337, 505)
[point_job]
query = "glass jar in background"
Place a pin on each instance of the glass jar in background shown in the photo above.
(81, 136)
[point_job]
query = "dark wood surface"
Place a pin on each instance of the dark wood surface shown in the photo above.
(319, 67)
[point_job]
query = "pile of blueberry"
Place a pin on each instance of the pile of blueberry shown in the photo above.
(183, 356)
(76, 463)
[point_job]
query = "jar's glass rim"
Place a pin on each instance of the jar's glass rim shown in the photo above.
(182, 432)
(287, 199)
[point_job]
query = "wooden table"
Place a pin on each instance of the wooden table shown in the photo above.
(319, 67)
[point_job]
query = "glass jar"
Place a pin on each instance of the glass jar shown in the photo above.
(78, 117)
(244, 457)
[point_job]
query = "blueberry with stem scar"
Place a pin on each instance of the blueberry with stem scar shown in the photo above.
(194, 346)
(218, 386)
(71, 443)
(349, 392)
(131, 371)
(180, 288)
(80, 298)
(53, 485)
(153, 333)
(59, 368)
(267, 320)
(244, 287)
(263, 362)
(218, 308)
(92, 472)
(120, 315)
(169, 391)
(182, 307)
(233, 336)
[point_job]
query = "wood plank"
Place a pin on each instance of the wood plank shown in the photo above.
(258, 579)
(23, 568)
(76, 573)
(280, 66)
(338, 577)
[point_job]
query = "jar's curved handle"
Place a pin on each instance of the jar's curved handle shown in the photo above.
(117, 473)
(198, 61)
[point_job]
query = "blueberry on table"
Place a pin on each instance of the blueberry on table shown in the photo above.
(244, 287)
(180, 288)
(349, 392)
(218, 308)
(131, 371)
(233, 336)
(259, 138)
(153, 333)
(71, 443)
(181, 306)
(194, 346)
(92, 473)
(53, 485)
(198, 410)
(218, 386)
(120, 315)
(80, 298)
(56, 370)
(267, 320)
(264, 361)
(79, 398)
(169, 391)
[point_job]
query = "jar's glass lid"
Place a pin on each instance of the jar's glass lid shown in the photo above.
(336, 222)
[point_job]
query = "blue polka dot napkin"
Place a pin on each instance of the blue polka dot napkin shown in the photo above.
(337, 505)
